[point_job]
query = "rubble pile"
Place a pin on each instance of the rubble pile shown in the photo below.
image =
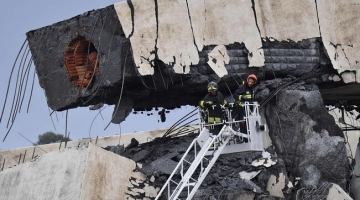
(308, 154)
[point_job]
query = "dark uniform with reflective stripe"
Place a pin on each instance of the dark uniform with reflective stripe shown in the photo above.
(215, 115)
(242, 93)
(243, 90)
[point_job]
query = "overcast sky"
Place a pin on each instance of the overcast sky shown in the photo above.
(19, 17)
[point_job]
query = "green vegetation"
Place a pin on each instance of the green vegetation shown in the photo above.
(51, 137)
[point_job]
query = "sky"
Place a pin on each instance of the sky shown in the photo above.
(19, 17)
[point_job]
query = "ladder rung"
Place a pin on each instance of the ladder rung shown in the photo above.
(191, 184)
(174, 182)
(193, 179)
(187, 161)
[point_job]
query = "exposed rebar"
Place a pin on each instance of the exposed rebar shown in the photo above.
(9, 81)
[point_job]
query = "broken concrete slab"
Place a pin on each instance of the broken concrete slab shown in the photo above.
(13, 156)
(336, 192)
(300, 125)
(248, 175)
(355, 179)
(265, 161)
(339, 33)
(138, 32)
(74, 173)
(276, 185)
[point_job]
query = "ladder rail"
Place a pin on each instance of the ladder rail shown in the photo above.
(180, 164)
(190, 171)
(207, 169)
(199, 159)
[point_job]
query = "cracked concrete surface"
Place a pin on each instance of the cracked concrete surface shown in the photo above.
(177, 30)
(88, 172)
(143, 34)
(198, 23)
(175, 42)
(287, 20)
(171, 51)
(339, 27)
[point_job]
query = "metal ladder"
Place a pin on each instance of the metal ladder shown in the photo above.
(190, 181)
(205, 149)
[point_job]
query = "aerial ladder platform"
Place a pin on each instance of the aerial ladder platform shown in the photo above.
(205, 149)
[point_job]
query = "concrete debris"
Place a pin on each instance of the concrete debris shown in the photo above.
(355, 180)
(248, 185)
(75, 173)
(35, 158)
(264, 161)
(326, 190)
(248, 175)
(217, 59)
(275, 185)
(140, 155)
(97, 106)
(290, 185)
(307, 138)
(134, 143)
(163, 165)
(311, 177)
(263, 174)
(336, 193)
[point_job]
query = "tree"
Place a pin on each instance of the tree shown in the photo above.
(50, 137)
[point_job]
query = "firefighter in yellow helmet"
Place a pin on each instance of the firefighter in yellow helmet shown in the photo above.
(213, 101)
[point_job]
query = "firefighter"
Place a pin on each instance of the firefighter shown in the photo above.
(213, 101)
(244, 92)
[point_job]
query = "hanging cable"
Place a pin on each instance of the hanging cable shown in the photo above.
(9, 81)
(172, 129)
(122, 88)
(228, 88)
(161, 76)
(94, 120)
(104, 68)
(33, 143)
(92, 31)
(20, 90)
(31, 92)
(66, 125)
(52, 119)
(179, 121)
(153, 81)
(182, 127)
(16, 87)
(97, 57)
(27, 78)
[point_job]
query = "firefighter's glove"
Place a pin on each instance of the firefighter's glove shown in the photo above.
(239, 103)
(208, 104)
(246, 97)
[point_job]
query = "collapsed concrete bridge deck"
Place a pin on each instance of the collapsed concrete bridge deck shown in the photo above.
(139, 55)
(143, 63)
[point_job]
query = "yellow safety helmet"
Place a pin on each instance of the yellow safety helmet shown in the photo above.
(212, 86)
